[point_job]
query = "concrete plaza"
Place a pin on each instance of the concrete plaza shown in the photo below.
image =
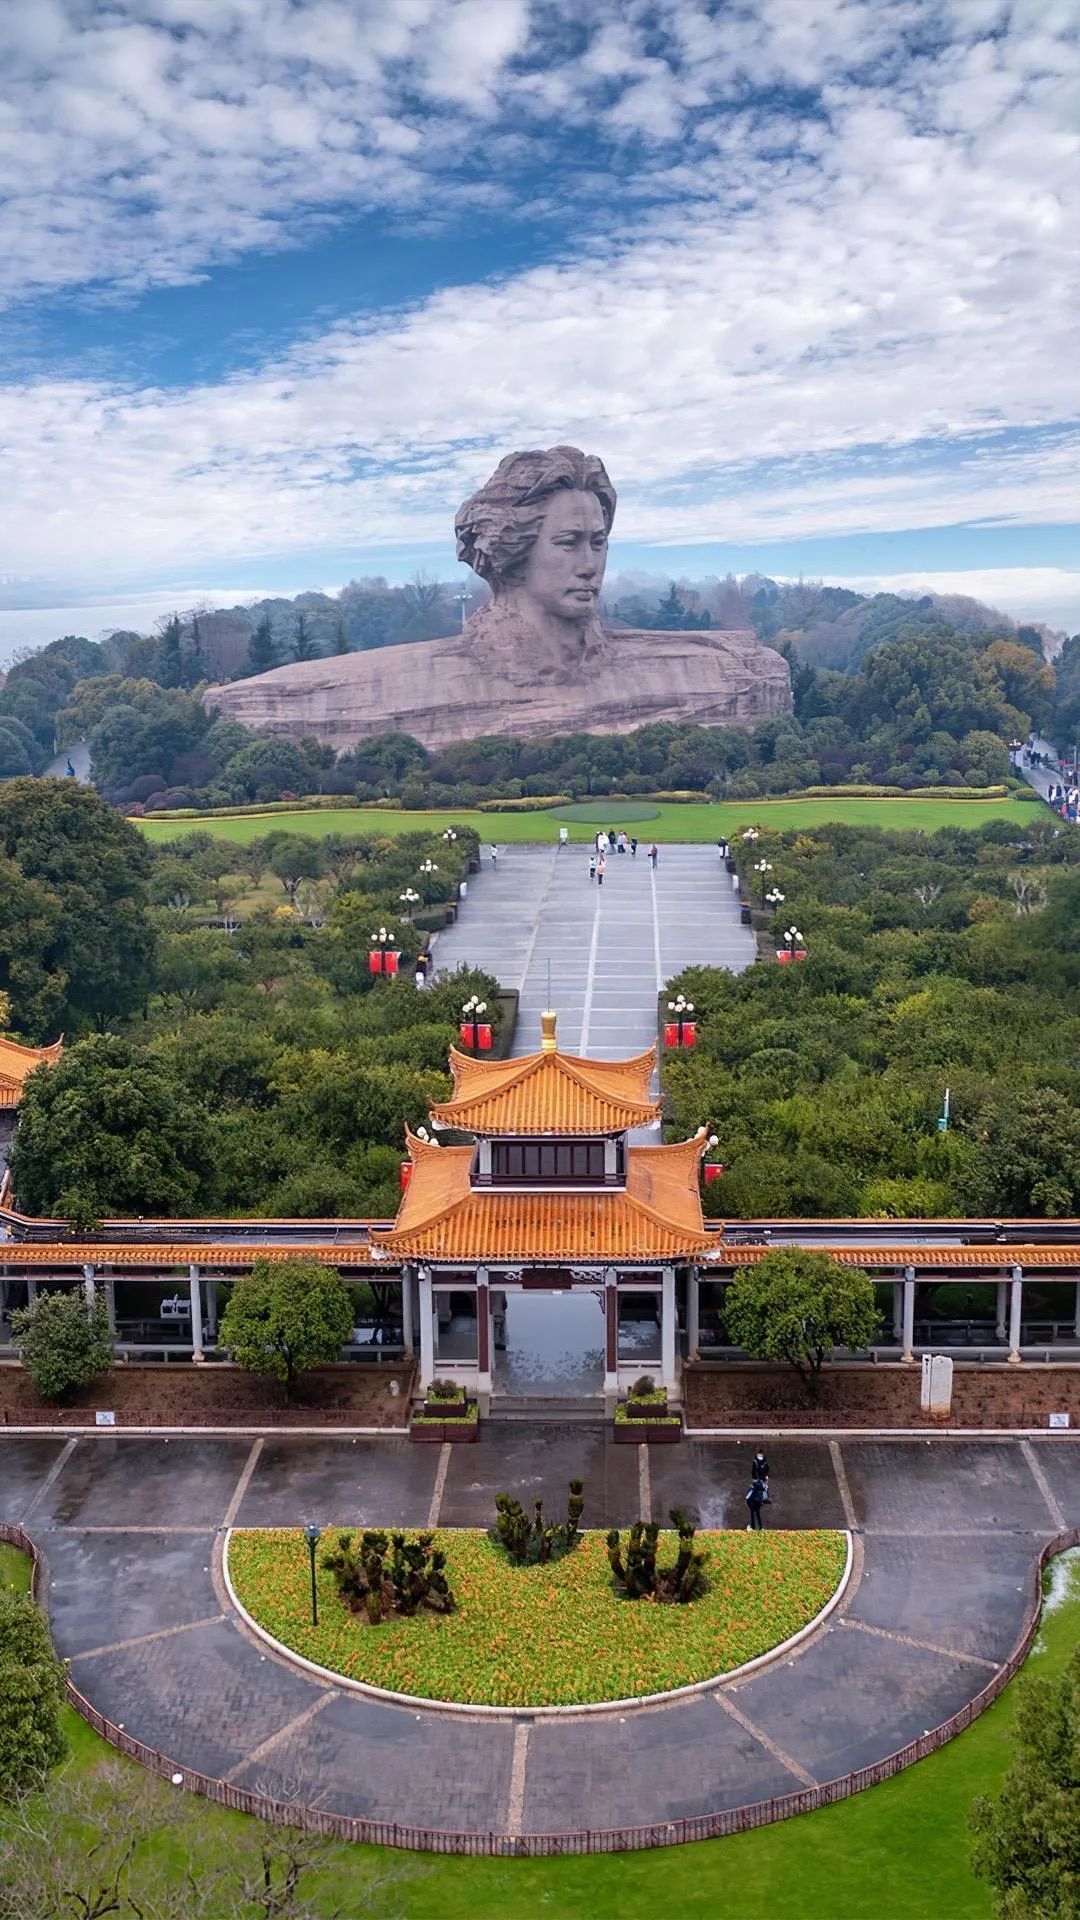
(609, 949)
(946, 1534)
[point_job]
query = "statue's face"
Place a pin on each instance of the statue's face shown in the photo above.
(565, 569)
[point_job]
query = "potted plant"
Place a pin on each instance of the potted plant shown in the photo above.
(644, 1417)
(446, 1400)
(447, 1414)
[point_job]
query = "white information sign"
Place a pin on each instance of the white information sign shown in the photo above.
(1059, 1420)
(104, 1419)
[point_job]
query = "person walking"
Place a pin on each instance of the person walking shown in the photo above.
(755, 1500)
(622, 841)
(564, 835)
(494, 854)
(633, 846)
(654, 855)
(611, 838)
(601, 869)
(760, 1470)
(592, 866)
(601, 843)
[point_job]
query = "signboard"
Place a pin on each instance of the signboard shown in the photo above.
(1058, 1420)
(547, 1279)
(104, 1419)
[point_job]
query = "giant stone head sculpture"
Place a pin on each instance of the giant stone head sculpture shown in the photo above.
(561, 500)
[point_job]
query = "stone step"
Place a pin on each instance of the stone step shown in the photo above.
(584, 1412)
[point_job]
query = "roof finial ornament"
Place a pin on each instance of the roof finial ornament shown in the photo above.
(548, 1042)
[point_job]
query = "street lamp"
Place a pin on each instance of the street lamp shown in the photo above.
(682, 1028)
(313, 1534)
(475, 1031)
(793, 944)
(449, 836)
(429, 866)
(409, 899)
(751, 834)
(763, 868)
(774, 898)
(383, 957)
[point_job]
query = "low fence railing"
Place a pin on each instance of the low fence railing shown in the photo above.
(667, 1833)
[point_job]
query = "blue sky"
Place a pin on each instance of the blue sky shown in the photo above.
(280, 280)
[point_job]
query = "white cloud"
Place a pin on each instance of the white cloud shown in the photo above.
(846, 311)
(1040, 594)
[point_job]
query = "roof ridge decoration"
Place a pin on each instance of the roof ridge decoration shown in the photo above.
(548, 1092)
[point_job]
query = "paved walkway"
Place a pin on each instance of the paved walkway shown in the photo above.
(610, 950)
(130, 1527)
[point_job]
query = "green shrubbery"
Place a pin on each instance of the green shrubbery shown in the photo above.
(31, 1696)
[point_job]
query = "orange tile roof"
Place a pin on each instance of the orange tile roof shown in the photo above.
(656, 1216)
(548, 1092)
(17, 1061)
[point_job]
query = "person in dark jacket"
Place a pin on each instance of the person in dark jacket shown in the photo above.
(755, 1500)
(760, 1469)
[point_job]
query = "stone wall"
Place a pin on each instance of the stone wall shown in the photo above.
(214, 1395)
(879, 1396)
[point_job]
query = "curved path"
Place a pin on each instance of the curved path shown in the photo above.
(131, 1529)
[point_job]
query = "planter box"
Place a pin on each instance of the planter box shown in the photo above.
(649, 1409)
(648, 1434)
(434, 1435)
(446, 1409)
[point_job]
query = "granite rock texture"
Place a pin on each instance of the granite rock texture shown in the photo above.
(445, 690)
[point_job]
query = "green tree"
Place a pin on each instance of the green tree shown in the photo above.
(63, 1341)
(1027, 1842)
(262, 653)
(93, 931)
(285, 1317)
(108, 1129)
(31, 1696)
(172, 668)
(305, 646)
(796, 1307)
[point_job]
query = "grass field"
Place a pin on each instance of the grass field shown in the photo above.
(546, 1636)
(897, 1852)
(688, 823)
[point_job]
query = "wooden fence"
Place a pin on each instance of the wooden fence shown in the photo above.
(668, 1833)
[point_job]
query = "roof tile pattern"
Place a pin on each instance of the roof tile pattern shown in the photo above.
(542, 1093)
(17, 1061)
(656, 1216)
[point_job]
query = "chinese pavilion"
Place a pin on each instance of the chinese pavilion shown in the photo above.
(551, 1195)
(17, 1062)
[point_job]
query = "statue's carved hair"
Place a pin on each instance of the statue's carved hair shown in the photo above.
(496, 528)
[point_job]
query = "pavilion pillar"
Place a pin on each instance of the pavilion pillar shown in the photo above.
(1016, 1306)
(693, 1313)
(110, 1301)
(196, 1312)
(406, 1309)
(1000, 1332)
(427, 1328)
(1076, 1313)
(483, 1343)
(898, 1311)
(908, 1342)
(88, 1283)
(611, 1339)
(668, 1328)
(31, 1290)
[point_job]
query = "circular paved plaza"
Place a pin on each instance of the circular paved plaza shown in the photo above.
(131, 1528)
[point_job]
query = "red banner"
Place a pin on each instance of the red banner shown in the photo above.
(406, 1173)
(712, 1171)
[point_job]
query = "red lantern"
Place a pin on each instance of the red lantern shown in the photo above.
(712, 1171)
(375, 960)
(406, 1173)
(475, 1034)
(671, 1034)
(390, 961)
(483, 1039)
(689, 1033)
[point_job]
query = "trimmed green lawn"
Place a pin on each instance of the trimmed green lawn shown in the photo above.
(15, 1568)
(897, 1852)
(672, 823)
(545, 1636)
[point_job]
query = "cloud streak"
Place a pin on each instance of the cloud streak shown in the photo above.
(817, 270)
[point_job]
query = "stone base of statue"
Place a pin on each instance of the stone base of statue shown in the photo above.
(486, 681)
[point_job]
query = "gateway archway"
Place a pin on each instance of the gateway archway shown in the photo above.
(549, 1344)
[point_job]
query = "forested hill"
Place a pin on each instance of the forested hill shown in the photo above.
(929, 694)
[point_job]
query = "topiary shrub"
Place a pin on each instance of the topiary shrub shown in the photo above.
(636, 1576)
(529, 1543)
(63, 1341)
(382, 1574)
(31, 1696)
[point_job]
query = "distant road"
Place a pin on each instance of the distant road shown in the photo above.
(79, 755)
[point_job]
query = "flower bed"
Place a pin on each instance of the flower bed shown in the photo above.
(546, 1636)
(460, 1421)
